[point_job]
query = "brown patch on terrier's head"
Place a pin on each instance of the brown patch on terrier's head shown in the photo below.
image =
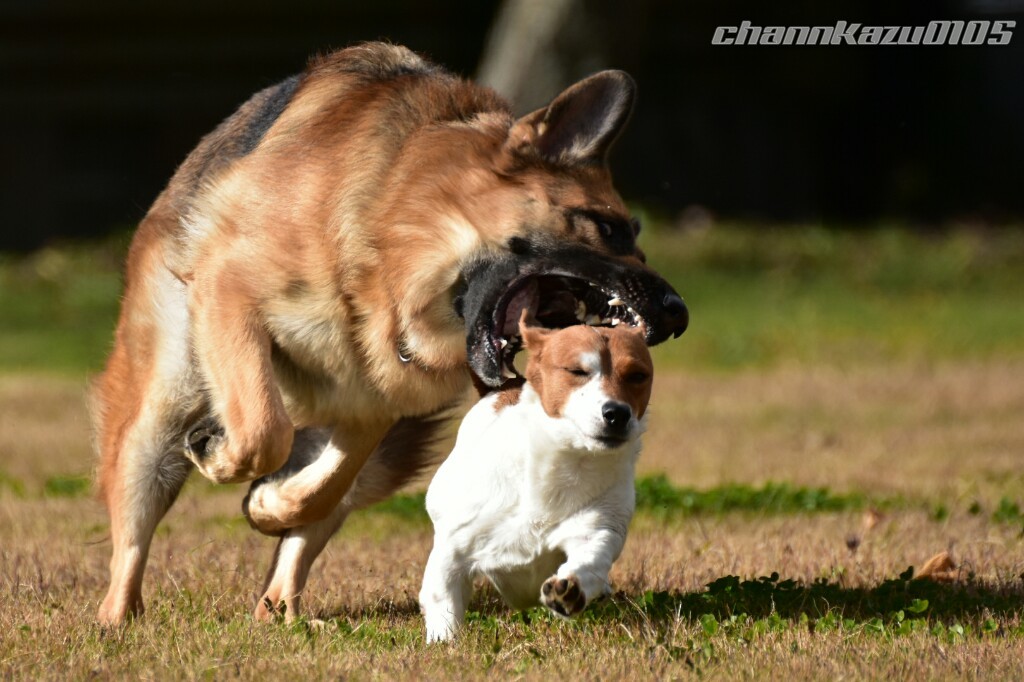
(563, 360)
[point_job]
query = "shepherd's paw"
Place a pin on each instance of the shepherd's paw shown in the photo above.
(259, 508)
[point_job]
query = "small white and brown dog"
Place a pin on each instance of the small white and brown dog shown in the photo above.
(538, 492)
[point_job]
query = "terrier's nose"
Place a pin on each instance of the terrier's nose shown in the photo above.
(616, 415)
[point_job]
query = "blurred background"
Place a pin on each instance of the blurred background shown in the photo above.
(100, 100)
(846, 223)
(840, 204)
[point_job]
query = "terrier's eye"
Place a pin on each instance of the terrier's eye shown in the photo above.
(577, 371)
(637, 377)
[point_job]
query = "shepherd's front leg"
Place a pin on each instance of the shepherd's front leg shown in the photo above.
(290, 498)
(249, 433)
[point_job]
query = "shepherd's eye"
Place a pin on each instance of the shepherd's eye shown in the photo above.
(618, 234)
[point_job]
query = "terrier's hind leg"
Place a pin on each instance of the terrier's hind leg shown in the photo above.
(447, 588)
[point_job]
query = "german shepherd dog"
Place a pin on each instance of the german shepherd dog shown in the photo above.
(329, 270)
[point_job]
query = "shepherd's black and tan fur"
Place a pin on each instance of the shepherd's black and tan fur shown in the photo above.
(328, 270)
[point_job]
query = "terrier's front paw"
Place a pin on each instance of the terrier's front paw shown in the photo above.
(564, 596)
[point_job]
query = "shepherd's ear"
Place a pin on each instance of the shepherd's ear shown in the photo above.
(581, 124)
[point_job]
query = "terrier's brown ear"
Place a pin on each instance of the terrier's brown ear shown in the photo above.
(533, 337)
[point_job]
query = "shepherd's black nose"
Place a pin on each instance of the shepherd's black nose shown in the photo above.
(616, 415)
(677, 316)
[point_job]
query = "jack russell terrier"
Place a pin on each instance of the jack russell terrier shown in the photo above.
(538, 492)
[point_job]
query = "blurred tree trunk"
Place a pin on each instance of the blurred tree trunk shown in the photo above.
(537, 47)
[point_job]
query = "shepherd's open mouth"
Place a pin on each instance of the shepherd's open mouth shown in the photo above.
(557, 286)
(555, 302)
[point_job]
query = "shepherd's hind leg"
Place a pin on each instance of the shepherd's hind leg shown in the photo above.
(141, 404)
(148, 482)
(140, 477)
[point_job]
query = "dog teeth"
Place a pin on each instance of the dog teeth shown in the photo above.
(616, 301)
(593, 320)
(507, 373)
(503, 342)
(615, 321)
(581, 311)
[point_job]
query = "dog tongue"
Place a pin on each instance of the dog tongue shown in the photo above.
(524, 299)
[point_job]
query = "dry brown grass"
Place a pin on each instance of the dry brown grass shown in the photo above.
(935, 434)
(953, 431)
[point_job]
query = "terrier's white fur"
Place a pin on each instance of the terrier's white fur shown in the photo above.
(535, 503)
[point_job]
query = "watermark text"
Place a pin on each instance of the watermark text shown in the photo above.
(846, 33)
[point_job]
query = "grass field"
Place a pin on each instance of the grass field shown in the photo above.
(845, 406)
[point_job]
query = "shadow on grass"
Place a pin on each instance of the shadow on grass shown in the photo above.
(766, 597)
(789, 599)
